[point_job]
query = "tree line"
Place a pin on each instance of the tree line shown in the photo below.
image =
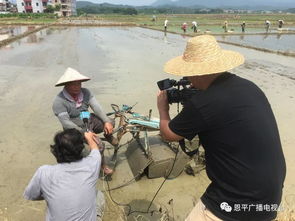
(102, 9)
(143, 10)
(106, 10)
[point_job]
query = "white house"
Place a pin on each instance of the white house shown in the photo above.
(3, 5)
(31, 6)
(68, 7)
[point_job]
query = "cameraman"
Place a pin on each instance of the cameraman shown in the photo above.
(237, 128)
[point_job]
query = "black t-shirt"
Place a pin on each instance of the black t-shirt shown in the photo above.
(244, 158)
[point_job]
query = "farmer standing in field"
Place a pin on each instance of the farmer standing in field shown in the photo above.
(194, 26)
(267, 25)
(280, 22)
(165, 25)
(225, 26)
(243, 25)
(184, 27)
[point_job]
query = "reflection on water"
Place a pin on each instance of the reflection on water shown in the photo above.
(242, 37)
(265, 36)
(165, 37)
(7, 32)
(281, 42)
(11, 31)
(237, 29)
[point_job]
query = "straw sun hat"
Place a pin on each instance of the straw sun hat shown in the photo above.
(203, 56)
(69, 76)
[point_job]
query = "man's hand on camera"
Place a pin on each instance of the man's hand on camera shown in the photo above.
(163, 107)
(162, 101)
(91, 139)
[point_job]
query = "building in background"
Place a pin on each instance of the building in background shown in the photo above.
(5, 6)
(31, 6)
(67, 7)
(64, 8)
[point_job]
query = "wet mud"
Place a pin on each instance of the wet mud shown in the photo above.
(271, 43)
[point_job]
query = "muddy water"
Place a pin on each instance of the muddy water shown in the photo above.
(217, 29)
(124, 64)
(277, 42)
(11, 31)
(30, 39)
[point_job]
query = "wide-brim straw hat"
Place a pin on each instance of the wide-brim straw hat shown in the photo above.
(71, 75)
(203, 56)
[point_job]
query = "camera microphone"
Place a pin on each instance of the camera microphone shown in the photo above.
(84, 116)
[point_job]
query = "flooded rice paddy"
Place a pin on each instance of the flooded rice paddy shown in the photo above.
(278, 42)
(274, 40)
(15, 31)
(124, 65)
(217, 29)
(11, 31)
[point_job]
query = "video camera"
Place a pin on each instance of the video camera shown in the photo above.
(177, 95)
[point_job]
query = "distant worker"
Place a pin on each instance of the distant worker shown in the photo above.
(165, 25)
(194, 26)
(225, 26)
(267, 25)
(154, 18)
(243, 25)
(184, 27)
(281, 22)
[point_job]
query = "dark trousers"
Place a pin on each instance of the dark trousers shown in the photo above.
(96, 125)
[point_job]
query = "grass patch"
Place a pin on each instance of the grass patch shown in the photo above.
(27, 21)
(27, 18)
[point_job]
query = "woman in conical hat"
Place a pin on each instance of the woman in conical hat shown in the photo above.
(73, 100)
